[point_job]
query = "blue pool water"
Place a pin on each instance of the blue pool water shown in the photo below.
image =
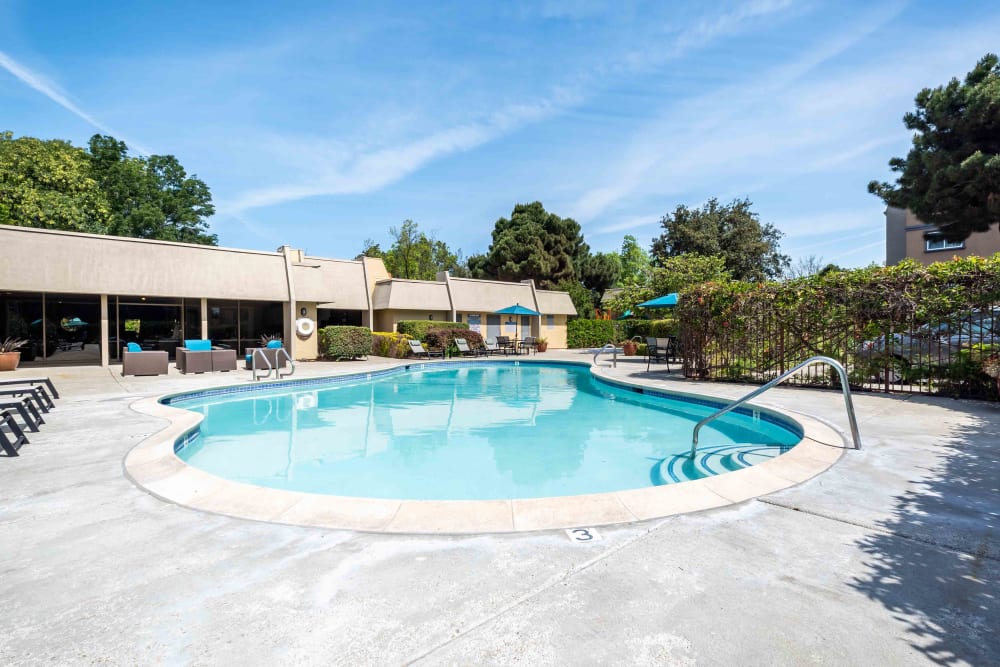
(475, 431)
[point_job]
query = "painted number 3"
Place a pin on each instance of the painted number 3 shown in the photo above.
(582, 534)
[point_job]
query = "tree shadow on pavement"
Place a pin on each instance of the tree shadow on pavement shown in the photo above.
(937, 566)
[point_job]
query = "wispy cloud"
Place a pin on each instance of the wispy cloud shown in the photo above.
(344, 171)
(48, 89)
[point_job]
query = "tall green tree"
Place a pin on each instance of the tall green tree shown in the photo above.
(598, 272)
(951, 176)
(675, 275)
(152, 197)
(634, 262)
(48, 184)
(732, 231)
(534, 243)
(416, 256)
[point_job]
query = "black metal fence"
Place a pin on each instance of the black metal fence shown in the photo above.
(894, 330)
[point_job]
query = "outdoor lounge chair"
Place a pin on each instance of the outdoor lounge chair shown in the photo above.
(34, 393)
(10, 442)
(490, 346)
(33, 381)
(25, 407)
(466, 351)
(417, 350)
(135, 361)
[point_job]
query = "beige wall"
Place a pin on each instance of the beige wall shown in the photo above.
(307, 347)
(555, 335)
(905, 238)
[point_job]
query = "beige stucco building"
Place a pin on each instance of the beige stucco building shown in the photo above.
(80, 297)
(907, 236)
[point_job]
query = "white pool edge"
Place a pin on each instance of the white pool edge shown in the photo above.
(153, 466)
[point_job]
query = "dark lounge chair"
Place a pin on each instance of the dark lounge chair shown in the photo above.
(25, 407)
(33, 381)
(35, 393)
(12, 441)
(417, 350)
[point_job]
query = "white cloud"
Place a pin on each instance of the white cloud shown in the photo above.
(42, 85)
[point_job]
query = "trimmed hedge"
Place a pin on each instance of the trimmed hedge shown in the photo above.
(418, 328)
(444, 339)
(668, 326)
(345, 342)
(589, 333)
(390, 344)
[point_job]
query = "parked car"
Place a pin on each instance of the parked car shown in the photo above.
(931, 345)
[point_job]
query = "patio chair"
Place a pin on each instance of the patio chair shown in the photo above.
(655, 353)
(528, 345)
(417, 350)
(465, 350)
(136, 361)
(490, 346)
(507, 346)
(270, 352)
(11, 442)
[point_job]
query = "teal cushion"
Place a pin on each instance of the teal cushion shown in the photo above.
(274, 344)
(134, 347)
(198, 345)
(248, 358)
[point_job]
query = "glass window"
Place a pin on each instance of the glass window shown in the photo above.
(550, 321)
(933, 243)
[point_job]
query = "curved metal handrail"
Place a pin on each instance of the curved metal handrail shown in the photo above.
(253, 363)
(608, 347)
(848, 404)
(291, 364)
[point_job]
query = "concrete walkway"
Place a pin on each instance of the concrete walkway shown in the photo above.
(889, 558)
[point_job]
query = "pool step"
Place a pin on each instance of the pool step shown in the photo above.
(710, 461)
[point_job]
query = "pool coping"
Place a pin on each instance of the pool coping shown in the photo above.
(153, 466)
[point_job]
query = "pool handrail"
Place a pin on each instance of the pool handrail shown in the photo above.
(276, 368)
(837, 366)
(608, 347)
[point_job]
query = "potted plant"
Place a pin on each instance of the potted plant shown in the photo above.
(630, 347)
(10, 356)
(541, 344)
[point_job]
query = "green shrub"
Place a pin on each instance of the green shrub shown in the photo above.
(390, 344)
(444, 339)
(418, 329)
(668, 326)
(589, 333)
(345, 342)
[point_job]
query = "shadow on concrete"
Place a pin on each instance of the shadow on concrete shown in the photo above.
(937, 568)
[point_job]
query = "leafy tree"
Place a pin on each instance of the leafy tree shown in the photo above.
(583, 298)
(634, 262)
(416, 256)
(951, 176)
(733, 232)
(536, 244)
(371, 249)
(477, 267)
(598, 272)
(152, 197)
(677, 274)
(48, 184)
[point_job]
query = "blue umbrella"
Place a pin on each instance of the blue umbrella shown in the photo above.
(665, 301)
(517, 309)
(624, 316)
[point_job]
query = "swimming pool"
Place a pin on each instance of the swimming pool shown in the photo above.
(470, 431)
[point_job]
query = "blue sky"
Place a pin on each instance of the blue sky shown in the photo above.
(319, 125)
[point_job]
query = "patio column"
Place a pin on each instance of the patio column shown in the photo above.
(105, 353)
(204, 319)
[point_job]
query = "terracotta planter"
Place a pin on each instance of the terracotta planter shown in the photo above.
(630, 347)
(9, 360)
(541, 347)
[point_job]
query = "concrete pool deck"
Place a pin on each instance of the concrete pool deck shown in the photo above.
(888, 557)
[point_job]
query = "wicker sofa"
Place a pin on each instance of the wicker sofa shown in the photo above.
(198, 356)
